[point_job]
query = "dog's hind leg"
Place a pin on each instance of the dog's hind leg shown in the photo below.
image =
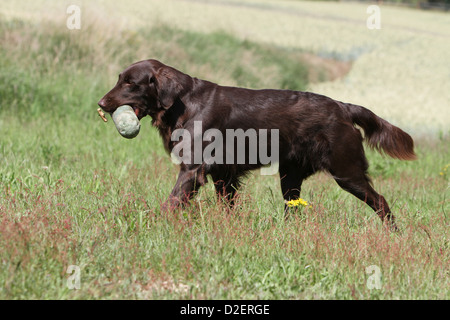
(348, 166)
(358, 185)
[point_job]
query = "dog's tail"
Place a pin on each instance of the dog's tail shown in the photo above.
(380, 134)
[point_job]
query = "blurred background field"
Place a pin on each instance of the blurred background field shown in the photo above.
(400, 71)
(72, 191)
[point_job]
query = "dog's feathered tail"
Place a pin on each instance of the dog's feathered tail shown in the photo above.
(380, 134)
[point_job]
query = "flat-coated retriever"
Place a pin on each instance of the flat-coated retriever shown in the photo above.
(314, 133)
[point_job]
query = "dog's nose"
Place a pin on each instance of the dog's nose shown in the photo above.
(102, 103)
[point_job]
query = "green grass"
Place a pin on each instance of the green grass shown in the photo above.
(73, 192)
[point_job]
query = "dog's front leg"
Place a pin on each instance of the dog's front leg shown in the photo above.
(188, 182)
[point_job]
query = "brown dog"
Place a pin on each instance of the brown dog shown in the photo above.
(314, 133)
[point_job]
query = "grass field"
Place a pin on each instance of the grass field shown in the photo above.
(73, 192)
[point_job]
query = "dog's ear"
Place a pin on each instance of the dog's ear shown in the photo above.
(167, 87)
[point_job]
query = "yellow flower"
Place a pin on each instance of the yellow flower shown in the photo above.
(295, 203)
(444, 170)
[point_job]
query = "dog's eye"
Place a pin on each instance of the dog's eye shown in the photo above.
(128, 81)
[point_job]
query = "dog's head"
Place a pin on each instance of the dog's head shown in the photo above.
(148, 86)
